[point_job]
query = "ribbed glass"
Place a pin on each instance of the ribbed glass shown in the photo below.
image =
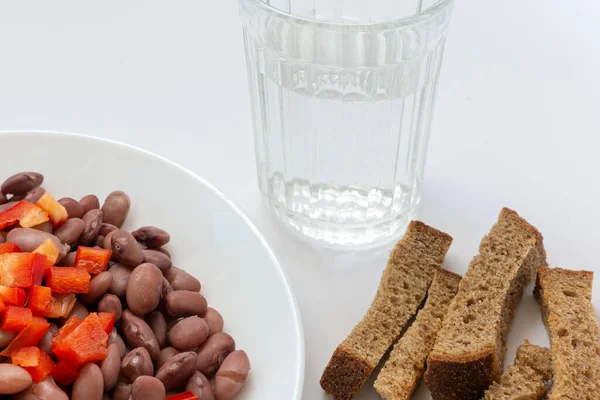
(342, 95)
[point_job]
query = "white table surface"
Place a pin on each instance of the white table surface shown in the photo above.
(516, 124)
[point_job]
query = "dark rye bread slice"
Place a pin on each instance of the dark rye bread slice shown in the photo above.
(408, 274)
(525, 379)
(404, 369)
(469, 351)
(565, 297)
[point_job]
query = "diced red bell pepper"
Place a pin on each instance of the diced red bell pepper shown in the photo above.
(49, 249)
(43, 369)
(107, 319)
(15, 319)
(92, 259)
(183, 396)
(13, 296)
(29, 336)
(9, 248)
(68, 280)
(86, 343)
(3, 307)
(61, 305)
(39, 300)
(64, 330)
(56, 211)
(64, 373)
(22, 269)
(25, 213)
(26, 356)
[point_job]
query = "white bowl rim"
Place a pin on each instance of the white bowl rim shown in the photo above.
(283, 275)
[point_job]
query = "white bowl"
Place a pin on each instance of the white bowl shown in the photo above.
(210, 238)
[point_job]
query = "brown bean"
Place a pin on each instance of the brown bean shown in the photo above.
(106, 397)
(3, 237)
(80, 310)
(151, 236)
(7, 205)
(69, 259)
(138, 334)
(200, 386)
(17, 198)
(144, 289)
(164, 356)
(34, 195)
(115, 338)
(135, 364)
(99, 241)
(148, 388)
(3, 198)
(212, 353)
(214, 320)
(13, 379)
(29, 239)
(73, 207)
(232, 375)
(21, 183)
(105, 229)
(158, 324)
(188, 333)
(177, 370)
(92, 220)
(106, 244)
(111, 303)
(6, 337)
(99, 285)
(120, 275)
(165, 252)
(122, 391)
(181, 280)
(184, 303)
(116, 207)
(89, 385)
(70, 231)
(125, 248)
(45, 389)
(46, 343)
(44, 227)
(89, 202)
(110, 367)
(157, 258)
(166, 287)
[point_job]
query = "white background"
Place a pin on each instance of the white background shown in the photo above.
(516, 124)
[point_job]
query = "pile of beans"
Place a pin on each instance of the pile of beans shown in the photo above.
(166, 339)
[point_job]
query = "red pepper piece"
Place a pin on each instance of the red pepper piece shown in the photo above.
(25, 213)
(93, 260)
(56, 212)
(26, 356)
(9, 248)
(3, 307)
(13, 296)
(183, 396)
(16, 319)
(68, 280)
(29, 336)
(64, 373)
(107, 319)
(39, 268)
(21, 269)
(43, 369)
(61, 305)
(48, 249)
(39, 300)
(86, 343)
(64, 330)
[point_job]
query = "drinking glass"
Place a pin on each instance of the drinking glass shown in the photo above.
(342, 95)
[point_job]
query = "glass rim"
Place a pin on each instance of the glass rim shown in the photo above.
(408, 20)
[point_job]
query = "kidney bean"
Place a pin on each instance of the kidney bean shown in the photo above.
(165, 252)
(13, 379)
(125, 248)
(44, 227)
(99, 285)
(29, 239)
(92, 220)
(46, 343)
(110, 367)
(144, 289)
(7, 205)
(231, 375)
(105, 229)
(106, 244)
(135, 364)
(187, 333)
(148, 388)
(158, 324)
(116, 207)
(111, 303)
(99, 241)
(138, 333)
(3, 237)
(34, 195)
(120, 275)
(181, 280)
(89, 202)
(68, 260)
(157, 258)
(200, 386)
(214, 320)
(73, 207)
(151, 236)
(165, 355)
(70, 231)
(213, 352)
(177, 369)
(166, 287)
(3, 199)
(184, 303)
(21, 183)
(45, 389)
(89, 385)
(80, 310)
(122, 391)
(105, 397)
(6, 337)
(115, 338)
